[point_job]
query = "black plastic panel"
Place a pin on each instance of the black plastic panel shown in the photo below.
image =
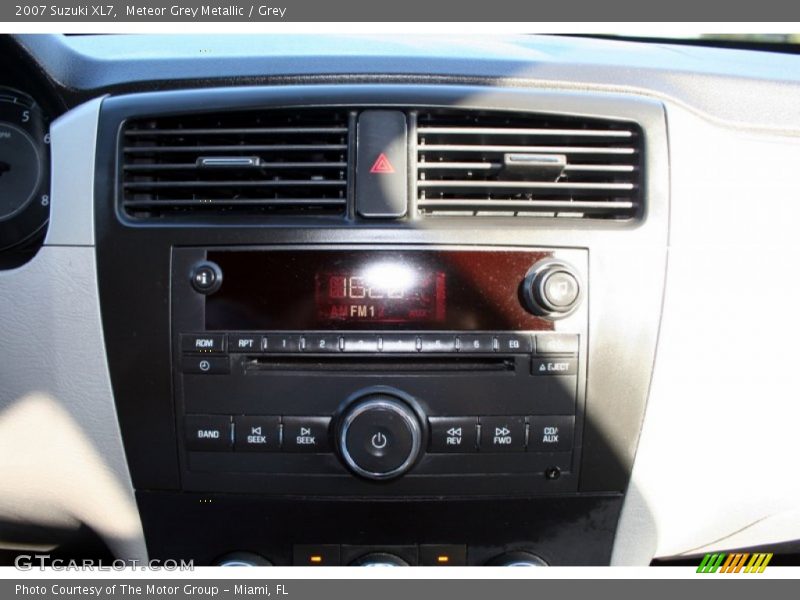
(625, 286)
(577, 530)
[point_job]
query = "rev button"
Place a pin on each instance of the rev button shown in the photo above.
(453, 434)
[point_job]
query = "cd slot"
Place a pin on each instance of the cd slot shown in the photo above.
(390, 364)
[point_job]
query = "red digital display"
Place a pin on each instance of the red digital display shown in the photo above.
(372, 290)
(383, 293)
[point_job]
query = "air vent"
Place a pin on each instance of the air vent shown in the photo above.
(229, 165)
(474, 163)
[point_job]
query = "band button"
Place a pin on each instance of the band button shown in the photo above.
(207, 432)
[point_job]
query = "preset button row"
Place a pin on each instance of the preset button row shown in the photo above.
(541, 344)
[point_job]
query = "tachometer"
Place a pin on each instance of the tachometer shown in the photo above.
(24, 168)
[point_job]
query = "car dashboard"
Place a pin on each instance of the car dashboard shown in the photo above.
(354, 300)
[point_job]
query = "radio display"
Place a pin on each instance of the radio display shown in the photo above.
(382, 293)
(297, 290)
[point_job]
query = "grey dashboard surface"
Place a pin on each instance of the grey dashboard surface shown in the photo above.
(742, 87)
(705, 476)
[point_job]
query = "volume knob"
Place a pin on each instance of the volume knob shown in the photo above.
(552, 289)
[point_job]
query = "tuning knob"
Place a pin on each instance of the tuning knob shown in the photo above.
(379, 437)
(552, 289)
(380, 559)
(518, 559)
(243, 559)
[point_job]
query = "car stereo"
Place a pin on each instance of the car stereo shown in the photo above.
(380, 370)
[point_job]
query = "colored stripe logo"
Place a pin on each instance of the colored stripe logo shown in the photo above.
(735, 563)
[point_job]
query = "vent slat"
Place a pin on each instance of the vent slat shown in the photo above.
(488, 166)
(235, 148)
(486, 163)
(524, 132)
(235, 131)
(538, 149)
(238, 202)
(528, 185)
(266, 183)
(262, 165)
(524, 204)
(236, 165)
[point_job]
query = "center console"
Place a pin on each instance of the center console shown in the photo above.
(407, 324)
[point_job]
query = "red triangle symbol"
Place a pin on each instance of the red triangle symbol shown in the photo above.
(382, 165)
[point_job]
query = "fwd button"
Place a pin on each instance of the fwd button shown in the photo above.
(502, 434)
(306, 434)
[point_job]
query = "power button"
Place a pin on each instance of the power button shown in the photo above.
(380, 437)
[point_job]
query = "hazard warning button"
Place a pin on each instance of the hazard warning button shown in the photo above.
(381, 167)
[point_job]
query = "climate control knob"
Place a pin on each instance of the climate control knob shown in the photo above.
(379, 437)
(552, 289)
